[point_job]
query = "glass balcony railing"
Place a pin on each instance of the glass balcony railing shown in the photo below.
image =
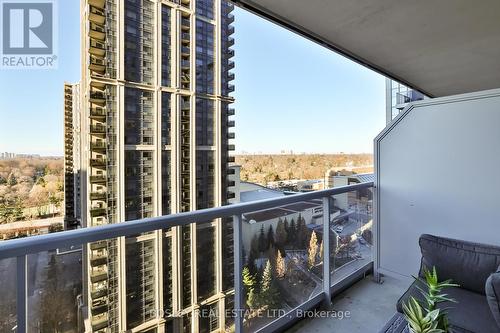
(280, 266)
(409, 96)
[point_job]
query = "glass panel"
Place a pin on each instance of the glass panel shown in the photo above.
(205, 122)
(186, 322)
(138, 117)
(283, 260)
(54, 291)
(204, 57)
(166, 42)
(166, 116)
(166, 160)
(206, 260)
(209, 318)
(138, 184)
(140, 279)
(351, 223)
(167, 273)
(227, 254)
(8, 294)
(205, 179)
(205, 8)
(185, 151)
(139, 41)
(103, 283)
(185, 51)
(227, 42)
(186, 265)
(229, 313)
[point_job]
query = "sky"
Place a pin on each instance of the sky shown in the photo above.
(291, 94)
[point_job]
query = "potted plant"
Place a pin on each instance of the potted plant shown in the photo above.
(425, 316)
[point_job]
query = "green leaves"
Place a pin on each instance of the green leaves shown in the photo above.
(426, 317)
(420, 323)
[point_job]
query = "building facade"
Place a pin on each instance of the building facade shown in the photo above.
(72, 154)
(156, 92)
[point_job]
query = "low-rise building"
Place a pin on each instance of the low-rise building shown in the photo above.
(30, 228)
(348, 200)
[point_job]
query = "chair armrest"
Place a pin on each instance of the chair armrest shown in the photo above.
(492, 288)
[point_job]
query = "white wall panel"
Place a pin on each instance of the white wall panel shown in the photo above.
(438, 172)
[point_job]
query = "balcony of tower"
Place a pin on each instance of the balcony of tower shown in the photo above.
(97, 15)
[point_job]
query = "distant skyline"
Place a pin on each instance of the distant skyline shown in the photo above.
(291, 94)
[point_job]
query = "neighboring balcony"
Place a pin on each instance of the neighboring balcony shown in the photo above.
(97, 3)
(97, 196)
(97, 15)
(98, 179)
(403, 98)
(96, 31)
(97, 212)
(97, 129)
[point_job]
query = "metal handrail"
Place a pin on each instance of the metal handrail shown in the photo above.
(35, 244)
(21, 248)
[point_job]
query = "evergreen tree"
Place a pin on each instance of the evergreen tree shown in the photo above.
(287, 229)
(11, 179)
(254, 247)
(249, 286)
(251, 264)
(302, 233)
(49, 304)
(262, 240)
(269, 294)
(270, 237)
(252, 300)
(271, 255)
(313, 250)
(248, 279)
(281, 236)
(292, 235)
(18, 209)
(280, 266)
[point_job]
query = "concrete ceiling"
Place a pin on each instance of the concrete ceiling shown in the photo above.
(441, 47)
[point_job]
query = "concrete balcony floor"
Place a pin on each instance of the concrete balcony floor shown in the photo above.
(370, 306)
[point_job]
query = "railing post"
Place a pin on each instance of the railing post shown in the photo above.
(22, 293)
(238, 267)
(326, 252)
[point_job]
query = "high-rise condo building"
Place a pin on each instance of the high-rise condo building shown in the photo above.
(72, 154)
(156, 85)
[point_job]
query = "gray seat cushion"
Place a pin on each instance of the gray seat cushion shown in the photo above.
(471, 313)
(466, 263)
(493, 295)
